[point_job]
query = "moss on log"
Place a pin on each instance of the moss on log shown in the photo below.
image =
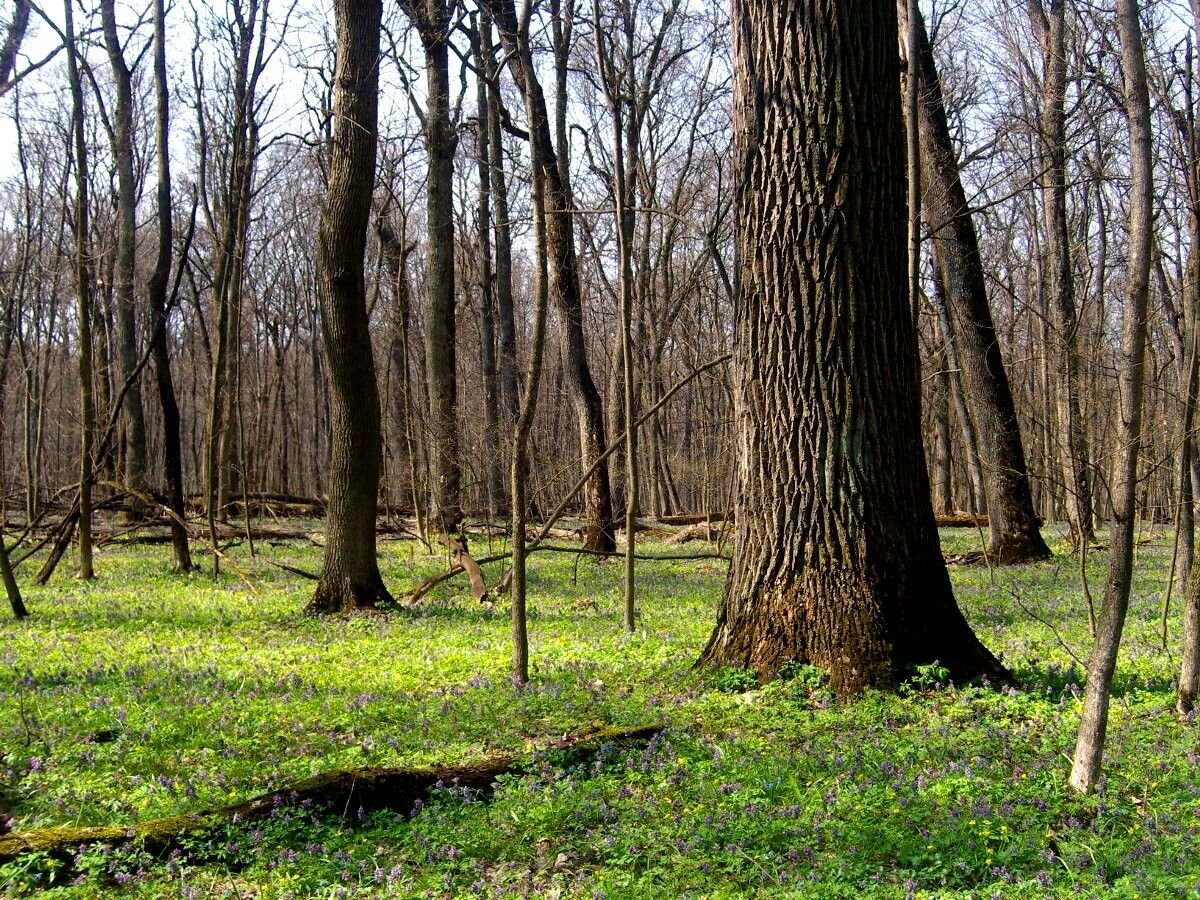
(343, 792)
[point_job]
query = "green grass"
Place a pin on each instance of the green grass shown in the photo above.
(143, 695)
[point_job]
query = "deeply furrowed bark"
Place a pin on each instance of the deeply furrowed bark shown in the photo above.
(836, 560)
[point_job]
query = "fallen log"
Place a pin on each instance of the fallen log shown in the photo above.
(464, 560)
(961, 520)
(694, 518)
(701, 531)
(344, 793)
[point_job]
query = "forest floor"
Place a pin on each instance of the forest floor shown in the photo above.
(143, 695)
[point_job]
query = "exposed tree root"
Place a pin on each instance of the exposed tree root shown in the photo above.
(343, 793)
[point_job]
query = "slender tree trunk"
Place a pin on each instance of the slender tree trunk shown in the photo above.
(493, 467)
(836, 560)
(505, 317)
(350, 575)
(564, 289)
(942, 469)
(1102, 663)
(10, 585)
(1014, 526)
(1050, 23)
(432, 18)
(83, 288)
(127, 354)
(519, 468)
(157, 292)
(1189, 671)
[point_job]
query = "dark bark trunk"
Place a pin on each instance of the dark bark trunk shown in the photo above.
(83, 288)
(127, 354)
(493, 464)
(157, 291)
(564, 289)
(836, 560)
(10, 584)
(432, 18)
(350, 574)
(1015, 534)
(505, 316)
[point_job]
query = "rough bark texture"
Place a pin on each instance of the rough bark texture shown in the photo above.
(350, 574)
(564, 288)
(836, 559)
(1015, 534)
(1102, 663)
(13, 38)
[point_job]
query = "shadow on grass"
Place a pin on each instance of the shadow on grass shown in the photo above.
(1056, 680)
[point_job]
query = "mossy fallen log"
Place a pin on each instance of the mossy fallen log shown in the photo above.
(342, 793)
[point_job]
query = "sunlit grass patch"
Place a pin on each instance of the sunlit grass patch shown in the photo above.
(144, 695)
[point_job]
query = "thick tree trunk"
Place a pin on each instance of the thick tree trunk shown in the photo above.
(1015, 534)
(836, 560)
(350, 575)
(565, 290)
(1102, 663)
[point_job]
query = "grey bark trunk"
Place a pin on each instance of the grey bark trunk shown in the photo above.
(1102, 663)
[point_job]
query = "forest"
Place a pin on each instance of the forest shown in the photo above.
(566, 449)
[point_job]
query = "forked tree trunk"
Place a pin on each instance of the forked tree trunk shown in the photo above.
(350, 574)
(564, 289)
(1102, 663)
(836, 560)
(1015, 534)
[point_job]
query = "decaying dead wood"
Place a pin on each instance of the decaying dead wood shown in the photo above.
(962, 520)
(695, 519)
(463, 559)
(701, 531)
(343, 793)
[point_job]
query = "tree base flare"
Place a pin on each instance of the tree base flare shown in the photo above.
(877, 640)
(339, 595)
